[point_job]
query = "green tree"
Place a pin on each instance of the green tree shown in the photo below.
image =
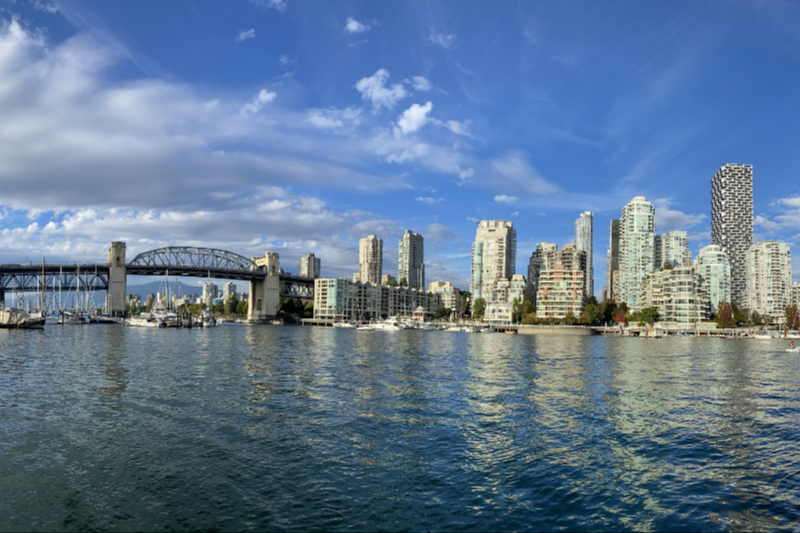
(741, 316)
(516, 311)
(442, 312)
(590, 300)
(607, 310)
(792, 317)
(668, 266)
(725, 316)
(219, 308)
(756, 318)
(527, 307)
(479, 308)
(590, 315)
(392, 282)
(230, 305)
(649, 315)
(308, 312)
(241, 308)
(569, 318)
(403, 282)
(529, 318)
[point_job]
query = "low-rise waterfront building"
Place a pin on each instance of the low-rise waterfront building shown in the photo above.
(452, 298)
(342, 299)
(679, 294)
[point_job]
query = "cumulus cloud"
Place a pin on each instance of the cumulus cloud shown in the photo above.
(514, 169)
(375, 90)
(257, 103)
(279, 5)
(413, 118)
(353, 26)
(428, 200)
(670, 219)
(505, 198)
(445, 40)
(420, 83)
(765, 223)
(245, 35)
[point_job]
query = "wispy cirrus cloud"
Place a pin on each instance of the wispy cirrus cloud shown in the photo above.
(245, 35)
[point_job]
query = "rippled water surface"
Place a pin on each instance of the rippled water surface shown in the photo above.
(288, 428)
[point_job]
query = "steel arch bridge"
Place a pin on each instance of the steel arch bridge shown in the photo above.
(178, 261)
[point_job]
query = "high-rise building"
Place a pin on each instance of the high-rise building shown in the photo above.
(309, 266)
(612, 261)
(561, 282)
(712, 264)
(228, 289)
(769, 278)
(674, 245)
(583, 241)
(210, 293)
(370, 259)
(411, 260)
(637, 241)
(494, 254)
(732, 222)
(542, 258)
(794, 294)
(658, 257)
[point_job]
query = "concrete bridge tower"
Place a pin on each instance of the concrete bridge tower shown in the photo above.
(116, 297)
(265, 299)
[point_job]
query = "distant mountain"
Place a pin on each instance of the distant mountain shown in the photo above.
(158, 286)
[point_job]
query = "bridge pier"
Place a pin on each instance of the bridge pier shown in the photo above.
(265, 299)
(116, 296)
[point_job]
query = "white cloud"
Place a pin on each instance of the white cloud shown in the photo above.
(458, 128)
(445, 40)
(47, 7)
(245, 35)
(515, 213)
(765, 223)
(413, 118)
(374, 89)
(505, 198)
(279, 5)
(439, 232)
(286, 61)
(473, 219)
(421, 83)
(790, 202)
(670, 220)
(353, 26)
(514, 169)
(428, 200)
(334, 118)
(257, 103)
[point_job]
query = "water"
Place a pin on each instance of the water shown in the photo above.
(286, 428)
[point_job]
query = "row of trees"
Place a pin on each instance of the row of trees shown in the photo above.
(730, 316)
(231, 307)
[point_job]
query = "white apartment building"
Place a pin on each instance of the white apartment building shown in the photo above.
(769, 279)
(210, 293)
(451, 297)
(342, 299)
(794, 295)
(370, 260)
(679, 295)
(674, 247)
(228, 289)
(309, 266)
(542, 258)
(713, 266)
(637, 250)
(732, 222)
(561, 286)
(494, 254)
(584, 227)
(411, 259)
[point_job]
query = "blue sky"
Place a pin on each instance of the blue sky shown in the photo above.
(301, 126)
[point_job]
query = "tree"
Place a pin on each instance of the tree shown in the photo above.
(792, 317)
(527, 307)
(569, 318)
(230, 305)
(590, 300)
(756, 318)
(442, 312)
(649, 315)
(516, 311)
(741, 317)
(392, 282)
(241, 308)
(219, 308)
(725, 318)
(403, 282)
(668, 266)
(308, 311)
(590, 314)
(620, 318)
(529, 318)
(607, 310)
(479, 308)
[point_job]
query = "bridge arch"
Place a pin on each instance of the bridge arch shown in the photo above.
(185, 257)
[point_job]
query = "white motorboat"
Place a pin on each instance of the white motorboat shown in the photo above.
(365, 327)
(145, 321)
(343, 325)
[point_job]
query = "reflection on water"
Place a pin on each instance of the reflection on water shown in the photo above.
(241, 427)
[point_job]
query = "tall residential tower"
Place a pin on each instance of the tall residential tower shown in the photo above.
(637, 249)
(411, 260)
(583, 241)
(494, 254)
(370, 260)
(732, 222)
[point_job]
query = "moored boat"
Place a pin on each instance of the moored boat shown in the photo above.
(13, 318)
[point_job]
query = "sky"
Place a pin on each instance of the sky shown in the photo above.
(298, 126)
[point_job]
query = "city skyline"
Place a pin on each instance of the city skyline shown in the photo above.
(303, 127)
